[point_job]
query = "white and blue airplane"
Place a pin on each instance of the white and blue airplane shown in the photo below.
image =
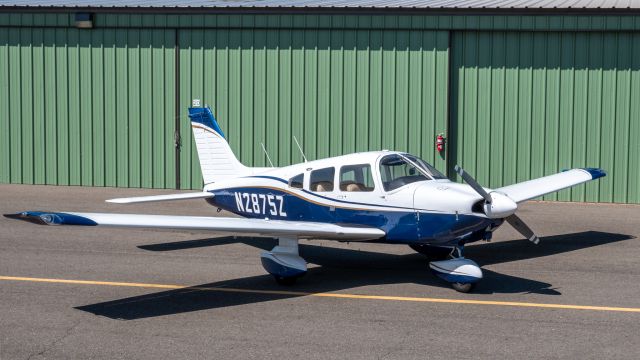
(378, 196)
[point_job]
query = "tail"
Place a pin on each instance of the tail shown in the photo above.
(217, 160)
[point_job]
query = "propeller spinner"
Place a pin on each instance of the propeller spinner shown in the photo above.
(499, 206)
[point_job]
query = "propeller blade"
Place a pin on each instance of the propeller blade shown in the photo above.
(473, 183)
(522, 228)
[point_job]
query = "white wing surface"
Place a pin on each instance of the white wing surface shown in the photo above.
(153, 198)
(534, 188)
(222, 225)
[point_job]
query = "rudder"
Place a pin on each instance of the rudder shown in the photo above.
(217, 160)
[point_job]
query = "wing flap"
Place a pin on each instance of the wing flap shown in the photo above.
(222, 225)
(154, 198)
(534, 188)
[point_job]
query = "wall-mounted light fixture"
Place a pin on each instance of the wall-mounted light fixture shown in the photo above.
(84, 20)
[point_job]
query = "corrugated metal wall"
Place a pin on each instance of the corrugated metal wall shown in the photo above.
(530, 95)
(87, 107)
(97, 107)
(526, 104)
(336, 91)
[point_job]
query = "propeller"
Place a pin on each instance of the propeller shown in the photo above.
(473, 183)
(517, 223)
(499, 206)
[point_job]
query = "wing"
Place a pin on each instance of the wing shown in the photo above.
(223, 225)
(153, 198)
(533, 188)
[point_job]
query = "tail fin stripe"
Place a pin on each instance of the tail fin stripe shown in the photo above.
(206, 118)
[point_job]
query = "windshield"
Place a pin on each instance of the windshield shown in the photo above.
(402, 169)
(427, 168)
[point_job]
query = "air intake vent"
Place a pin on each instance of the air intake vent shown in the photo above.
(478, 207)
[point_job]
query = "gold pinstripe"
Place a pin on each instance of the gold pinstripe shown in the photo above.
(205, 129)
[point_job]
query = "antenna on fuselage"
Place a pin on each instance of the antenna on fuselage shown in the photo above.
(267, 154)
(300, 148)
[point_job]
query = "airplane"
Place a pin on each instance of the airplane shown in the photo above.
(377, 196)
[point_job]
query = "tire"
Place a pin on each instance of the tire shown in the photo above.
(463, 288)
(286, 281)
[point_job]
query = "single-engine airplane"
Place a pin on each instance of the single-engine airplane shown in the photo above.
(377, 196)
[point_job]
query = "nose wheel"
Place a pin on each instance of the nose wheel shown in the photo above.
(461, 273)
(463, 287)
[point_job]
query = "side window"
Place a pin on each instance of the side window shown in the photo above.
(322, 179)
(356, 178)
(297, 181)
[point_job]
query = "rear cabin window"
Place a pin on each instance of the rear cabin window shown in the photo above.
(356, 178)
(322, 179)
(297, 181)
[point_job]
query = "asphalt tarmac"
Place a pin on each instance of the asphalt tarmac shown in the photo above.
(83, 292)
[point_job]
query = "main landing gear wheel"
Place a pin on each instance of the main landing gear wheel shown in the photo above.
(286, 281)
(284, 262)
(463, 288)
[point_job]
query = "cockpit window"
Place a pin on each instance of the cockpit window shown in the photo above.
(426, 167)
(356, 178)
(297, 181)
(322, 179)
(400, 170)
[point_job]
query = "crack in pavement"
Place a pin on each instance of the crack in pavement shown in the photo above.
(55, 342)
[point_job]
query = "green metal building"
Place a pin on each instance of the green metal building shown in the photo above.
(98, 95)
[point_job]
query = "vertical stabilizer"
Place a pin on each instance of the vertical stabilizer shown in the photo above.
(217, 161)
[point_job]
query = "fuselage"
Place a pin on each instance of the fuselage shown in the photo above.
(379, 189)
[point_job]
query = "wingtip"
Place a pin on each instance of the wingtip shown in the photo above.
(52, 218)
(595, 173)
(29, 216)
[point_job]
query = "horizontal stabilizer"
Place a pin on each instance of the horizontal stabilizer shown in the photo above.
(545, 185)
(153, 198)
(221, 225)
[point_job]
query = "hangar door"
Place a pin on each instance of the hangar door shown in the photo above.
(336, 91)
(525, 105)
(87, 107)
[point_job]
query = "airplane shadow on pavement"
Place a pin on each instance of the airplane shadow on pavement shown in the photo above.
(341, 269)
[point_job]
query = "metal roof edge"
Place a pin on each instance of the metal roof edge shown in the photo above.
(325, 10)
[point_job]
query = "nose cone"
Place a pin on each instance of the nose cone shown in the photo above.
(501, 206)
(446, 196)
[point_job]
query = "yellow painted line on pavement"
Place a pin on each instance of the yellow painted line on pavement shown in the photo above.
(326, 295)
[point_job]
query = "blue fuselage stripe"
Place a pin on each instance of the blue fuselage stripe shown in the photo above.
(408, 226)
